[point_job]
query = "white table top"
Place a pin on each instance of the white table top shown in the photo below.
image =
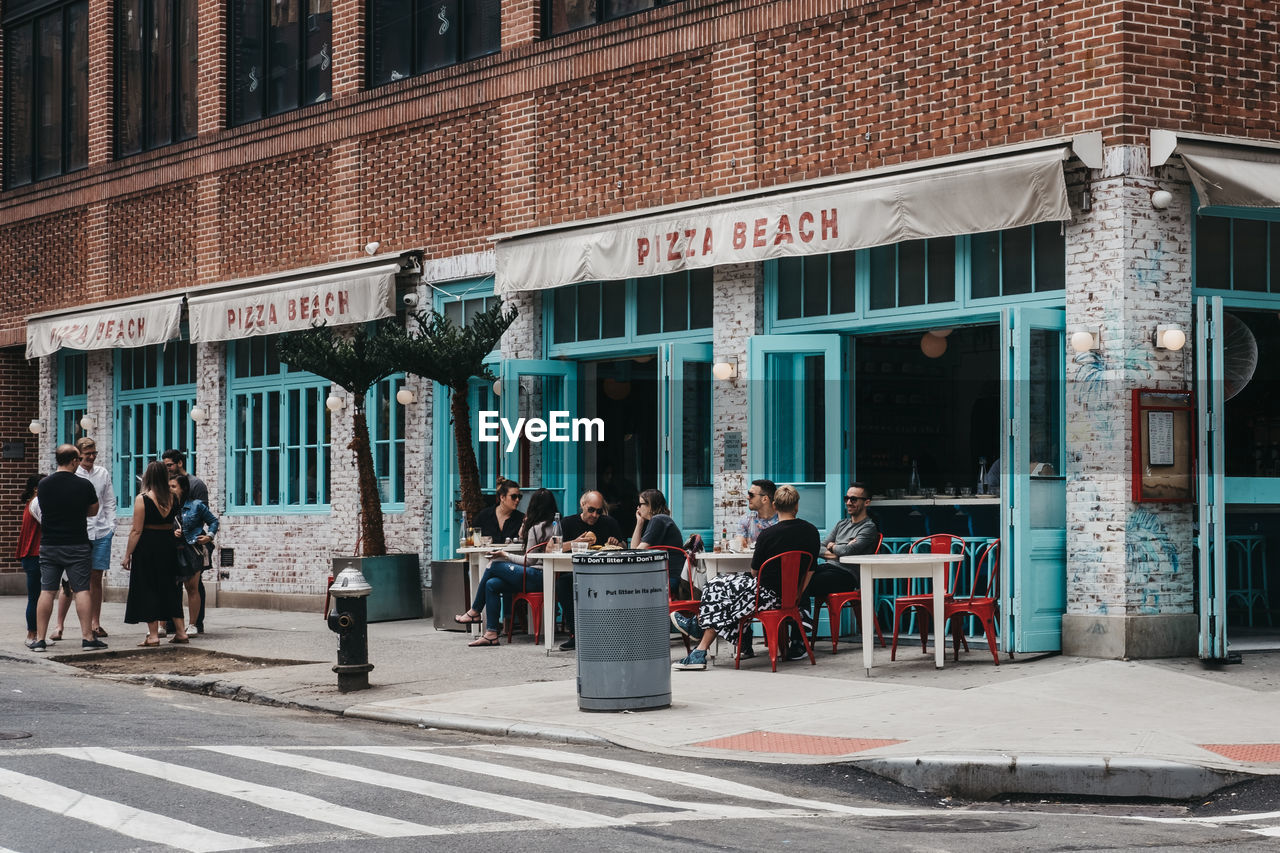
(489, 549)
(915, 558)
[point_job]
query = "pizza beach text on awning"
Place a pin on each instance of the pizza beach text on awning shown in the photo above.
(968, 197)
(1226, 171)
(109, 326)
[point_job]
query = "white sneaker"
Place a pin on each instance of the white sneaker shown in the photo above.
(192, 630)
(161, 632)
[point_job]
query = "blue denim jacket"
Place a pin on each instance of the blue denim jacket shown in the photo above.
(195, 515)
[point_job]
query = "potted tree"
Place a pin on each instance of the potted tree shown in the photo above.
(355, 359)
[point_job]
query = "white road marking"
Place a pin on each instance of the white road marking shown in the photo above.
(126, 820)
(554, 815)
(277, 799)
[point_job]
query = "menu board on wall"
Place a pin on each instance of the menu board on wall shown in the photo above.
(1163, 447)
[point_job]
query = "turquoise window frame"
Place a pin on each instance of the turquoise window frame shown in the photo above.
(631, 340)
(964, 308)
(153, 414)
(73, 393)
(386, 420)
(299, 398)
(446, 524)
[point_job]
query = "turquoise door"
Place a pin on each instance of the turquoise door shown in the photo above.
(684, 418)
(537, 389)
(795, 401)
(1033, 547)
(1210, 480)
(447, 523)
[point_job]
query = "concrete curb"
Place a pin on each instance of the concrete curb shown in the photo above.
(984, 777)
(222, 690)
(480, 725)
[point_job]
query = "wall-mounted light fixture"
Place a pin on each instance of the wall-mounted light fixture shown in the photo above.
(372, 247)
(1086, 339)
(35, 426)
(1161, 199)
(1170, 338)
(933, 346)
(87, 423)
(198, 414)
(724, 370)
(497, 387)
(334, 403)
(405, 397)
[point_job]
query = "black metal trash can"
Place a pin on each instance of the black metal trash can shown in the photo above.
(622, 631)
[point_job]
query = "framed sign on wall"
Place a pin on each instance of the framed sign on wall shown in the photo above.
(1163, 446)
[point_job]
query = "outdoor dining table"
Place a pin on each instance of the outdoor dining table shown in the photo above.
(716, 563)
(874, 567)
(477, 560)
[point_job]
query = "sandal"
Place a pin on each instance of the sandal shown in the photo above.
(99, 633)
(466, 618)
(483, 641)
(55, 636)
(147, 644)
(179, 639)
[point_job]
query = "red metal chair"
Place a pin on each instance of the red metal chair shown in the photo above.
(689, 605)
(532, 600)
(983, 607)
(836, 602)
(794, 565)
(939, 543)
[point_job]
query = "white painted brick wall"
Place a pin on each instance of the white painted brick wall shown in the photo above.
(738, 301)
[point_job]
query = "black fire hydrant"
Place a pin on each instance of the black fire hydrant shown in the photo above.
(349, 619)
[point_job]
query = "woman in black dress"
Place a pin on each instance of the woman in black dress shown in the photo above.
(151, 557)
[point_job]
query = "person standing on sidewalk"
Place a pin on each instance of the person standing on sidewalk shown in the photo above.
(199, 526)
(176, 461)
(29, 553)
(151, 557)
(102, 528)
(64, 502)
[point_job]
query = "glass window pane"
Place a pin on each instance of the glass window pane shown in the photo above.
(49, 118)
(618, 8)
(942, 269)
(984, 264)
(649, 305)
(391, 40)
(284, 53)
(701, 299)
(790, 287)
(613, 309)
(816, 270)
(1274, 258)
(438, 33)
(1213, 255)
(1249, 254)
(76, 136)
(186, 81)
(19, 75)
(568, 15)
(911, 269)
(483, 33)
(319, 36)
(248, 78)
(814, 433)
(588, 312)
(884, 277)
(565, 314)
(159, 129)
(129, 77)
(1051, 257)
(843, 267)
(1015, 259)
(675, 302)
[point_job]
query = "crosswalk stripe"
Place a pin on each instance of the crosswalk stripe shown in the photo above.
(559, 783)
(277, 799)
(126, 820)
(559, 816)
(702, 782)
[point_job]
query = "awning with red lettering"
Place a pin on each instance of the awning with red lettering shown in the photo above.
(123, 325)
(966, 198)
(337, 299)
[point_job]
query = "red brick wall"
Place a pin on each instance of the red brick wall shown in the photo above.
(274, 216)
(18, 407)
(152, 237)
(40, 262)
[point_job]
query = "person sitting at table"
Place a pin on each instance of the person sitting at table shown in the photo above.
(509, 574)
(501, 523)
(855, 534)
(655, 526)
(763, 514)
(726, 599)
(592, 526)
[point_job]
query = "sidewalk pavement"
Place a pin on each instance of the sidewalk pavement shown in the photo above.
(1048, 725)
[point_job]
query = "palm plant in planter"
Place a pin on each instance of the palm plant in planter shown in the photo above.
(453, 355)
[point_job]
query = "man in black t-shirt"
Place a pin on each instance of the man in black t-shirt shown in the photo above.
(589, 525)
(65, 501)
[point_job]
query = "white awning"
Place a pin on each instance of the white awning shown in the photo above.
(338, 299)
(966, 198)
(1232, 176)
(124, 325)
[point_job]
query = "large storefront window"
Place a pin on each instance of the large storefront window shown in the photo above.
(46, 104)
(634, 309)
(155, 73)
(155, 389)
(385, 417)
(280, 431)
(73, 398)
(408, 37)
(281, 56)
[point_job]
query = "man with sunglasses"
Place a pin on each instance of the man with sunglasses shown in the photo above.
(592, 526)
(763, 514)
(855, 534)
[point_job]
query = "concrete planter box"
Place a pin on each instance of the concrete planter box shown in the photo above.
(396, 582)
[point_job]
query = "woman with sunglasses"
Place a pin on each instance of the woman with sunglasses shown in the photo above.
(501, 523)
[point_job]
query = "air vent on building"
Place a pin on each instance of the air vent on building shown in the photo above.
(226, 557)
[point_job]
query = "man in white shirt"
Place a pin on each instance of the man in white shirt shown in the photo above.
(101, 528)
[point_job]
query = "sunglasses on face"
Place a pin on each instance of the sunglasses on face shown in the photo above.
(851, 499)
(754, 495)
(515, 496)
(592, 510)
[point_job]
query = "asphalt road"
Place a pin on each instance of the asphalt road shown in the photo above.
(112, 767)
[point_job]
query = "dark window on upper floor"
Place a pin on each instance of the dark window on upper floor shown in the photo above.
(561, 16)
(155, 73)
(281, 56)
(408, 37)
(46, 105)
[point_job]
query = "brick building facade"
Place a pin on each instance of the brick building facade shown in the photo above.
(685, 104)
